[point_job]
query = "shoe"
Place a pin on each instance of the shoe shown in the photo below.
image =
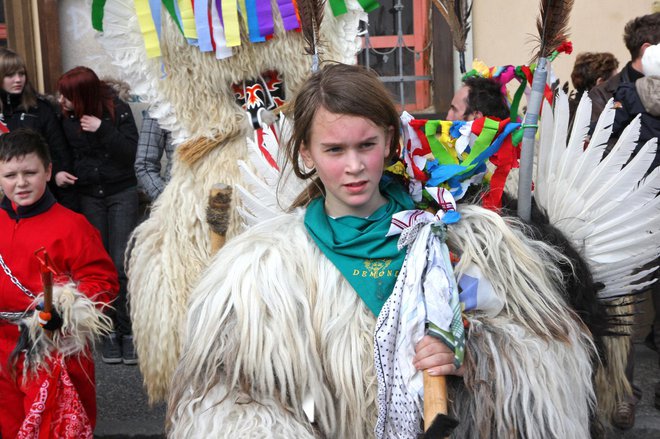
(111, 349)
(624, 416)
(129, 356)
(649, 341)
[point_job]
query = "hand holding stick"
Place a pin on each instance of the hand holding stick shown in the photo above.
(217, 214)
(47, 269)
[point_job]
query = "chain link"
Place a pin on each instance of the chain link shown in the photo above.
(14, 280)
(14, 316)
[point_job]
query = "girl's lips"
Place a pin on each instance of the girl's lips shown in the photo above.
(356, 187)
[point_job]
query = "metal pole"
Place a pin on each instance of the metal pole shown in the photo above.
(398, 7)
(529, 137)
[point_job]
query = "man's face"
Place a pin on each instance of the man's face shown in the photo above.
(23, 179)
(459, 104)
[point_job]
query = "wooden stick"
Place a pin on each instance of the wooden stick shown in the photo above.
(217, 214)
(435, 398)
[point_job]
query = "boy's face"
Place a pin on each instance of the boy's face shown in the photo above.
(23, 179)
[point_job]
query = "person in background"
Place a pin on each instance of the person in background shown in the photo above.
(639, 33)
(31, 219)
(22, 107)
(103, 139)
(590, 69)
(152, 143)
(643, 98)
(478, 97)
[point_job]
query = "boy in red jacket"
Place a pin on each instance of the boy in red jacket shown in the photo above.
(30, 219)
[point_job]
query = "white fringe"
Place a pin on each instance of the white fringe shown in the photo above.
(83, 323)
(279, 323)
(529, 369)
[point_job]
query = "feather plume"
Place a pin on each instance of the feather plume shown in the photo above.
(552, 25)
(311, 16)
(456, 14)
(583, 195)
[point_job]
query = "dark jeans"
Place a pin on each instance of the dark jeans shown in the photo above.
(115, 216)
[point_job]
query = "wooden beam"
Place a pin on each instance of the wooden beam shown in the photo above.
(20, 34)
(33, 32)
(443, 64)
(51, 53)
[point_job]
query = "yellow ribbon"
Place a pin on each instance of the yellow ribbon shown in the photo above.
(147, 28)
(230, 20)
(243, 6)
(445, 138)
(187, 19)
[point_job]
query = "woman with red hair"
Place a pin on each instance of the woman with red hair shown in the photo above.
(103, 140)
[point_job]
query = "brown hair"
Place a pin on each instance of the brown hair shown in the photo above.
(589, 66)
(640, 30)
(21, 142)
(10, 63)
(340, 89)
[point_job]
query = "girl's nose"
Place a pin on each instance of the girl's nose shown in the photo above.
(354, 162)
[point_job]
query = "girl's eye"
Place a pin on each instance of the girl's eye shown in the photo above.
(367, 144)
(333, 149)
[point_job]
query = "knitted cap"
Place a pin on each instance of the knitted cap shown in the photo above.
(651, 61)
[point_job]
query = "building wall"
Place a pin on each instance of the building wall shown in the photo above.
(503, 30)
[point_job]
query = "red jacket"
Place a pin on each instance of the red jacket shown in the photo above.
(76, 249)
(71, 241)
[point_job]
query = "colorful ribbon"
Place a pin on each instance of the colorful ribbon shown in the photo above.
(148, 28)
(97, 14)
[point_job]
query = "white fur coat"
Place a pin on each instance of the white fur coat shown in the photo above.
(273, 323)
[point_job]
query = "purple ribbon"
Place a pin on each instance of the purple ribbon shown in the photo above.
(288, 13)
(265, 18)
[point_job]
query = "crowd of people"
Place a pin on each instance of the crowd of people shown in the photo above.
(69, 173)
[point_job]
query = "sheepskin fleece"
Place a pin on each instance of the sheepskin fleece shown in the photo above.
(272, 322)
(190, 94)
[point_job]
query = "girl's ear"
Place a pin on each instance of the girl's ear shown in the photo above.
(306, 156)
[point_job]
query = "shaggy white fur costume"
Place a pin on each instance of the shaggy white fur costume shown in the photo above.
(273, 323)
(190, 94)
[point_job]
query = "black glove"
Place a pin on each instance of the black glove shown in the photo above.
(53, 323)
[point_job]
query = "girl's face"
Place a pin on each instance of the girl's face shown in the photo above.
(65, 103)
(349, 155)
(15, 82)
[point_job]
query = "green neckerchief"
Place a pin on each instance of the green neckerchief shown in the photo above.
(359, 247)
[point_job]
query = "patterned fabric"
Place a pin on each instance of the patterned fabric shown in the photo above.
(424, 300)
(152, 143)
(57, 413)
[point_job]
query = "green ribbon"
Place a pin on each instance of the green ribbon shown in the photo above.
(437, 148)
(339, 6)
(97, 14)
(484, 140)
(369, 5)
(518, 95)
(169, 5)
